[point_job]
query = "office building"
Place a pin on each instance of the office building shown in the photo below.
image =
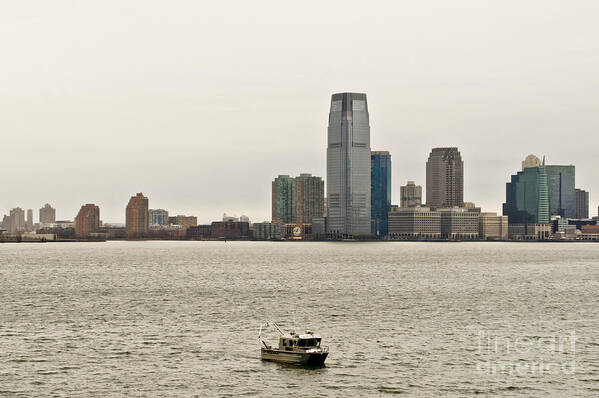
(527, 198)
(561, 190)
(380, 191)
(444, 178)
(411, 195)
(459, 224)
(87, 221)
(158, 218)
(137, 219)
(531, 161)
(284, 199)
(309, 198)
(582, 203)
(348, 165)
(414, 223)
(47, 214)
(492, 227)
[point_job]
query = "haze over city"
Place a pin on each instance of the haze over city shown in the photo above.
(200, 107)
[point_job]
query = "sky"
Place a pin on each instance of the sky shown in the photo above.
(199, 105)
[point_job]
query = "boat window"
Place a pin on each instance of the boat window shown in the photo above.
(318, 342)
(284, 342)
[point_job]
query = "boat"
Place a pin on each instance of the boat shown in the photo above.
(298, 349)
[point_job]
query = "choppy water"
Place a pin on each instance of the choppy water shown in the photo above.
(181, 318)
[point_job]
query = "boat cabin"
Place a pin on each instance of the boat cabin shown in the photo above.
(295, 342)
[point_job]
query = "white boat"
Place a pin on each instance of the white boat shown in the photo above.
(294, 348)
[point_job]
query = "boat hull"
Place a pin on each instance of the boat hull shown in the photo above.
(294, 357)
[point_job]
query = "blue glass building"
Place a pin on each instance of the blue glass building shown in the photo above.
(380, 192)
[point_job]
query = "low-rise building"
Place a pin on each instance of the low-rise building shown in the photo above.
(230, 230)
(184, 221)
(200, 232)
(492, 227)
(458, 223)
(529, 231)
(268, 231)
(414, 223)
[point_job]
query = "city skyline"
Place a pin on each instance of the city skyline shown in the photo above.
(91, 130)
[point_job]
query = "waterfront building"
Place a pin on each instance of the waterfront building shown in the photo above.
(492, 227)
(47, 214)
(230, 230)
(458, 224)
(517, 231)
(137, 220)
(284, 199)
(319, 227)
(582, 203)
(29, 222)
(411, 195)
(531, 161)
(17, 221)
(380, 191)
(561, 190)
(200, 232)
(309, 198)
(158, 217)
(229, 218)
(527, 198)
(348, 165)
(184, 221)
(268, 231)
(444, 178)
(414, 223)
(87, 221)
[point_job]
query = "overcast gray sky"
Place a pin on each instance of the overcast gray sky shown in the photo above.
(200, 104)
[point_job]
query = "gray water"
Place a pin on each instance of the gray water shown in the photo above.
(181, 318)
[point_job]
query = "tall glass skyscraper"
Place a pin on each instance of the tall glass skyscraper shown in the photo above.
(283, 199)
(562, 191)
(380, 191)
(348, 165)
(527, 197)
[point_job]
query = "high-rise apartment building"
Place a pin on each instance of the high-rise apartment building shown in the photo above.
(411, 195)
(87, 220)
(348, 165)
(527, 197)
(47, 214)
(380, 192)
(444, 178)
(582, 203)
(17, 220)
(309, 198)
(137, 220)
(29, 222)
(283, 199)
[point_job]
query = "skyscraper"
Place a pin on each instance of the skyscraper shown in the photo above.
(87, 220)
(283, 199)
(561, 189)
(29, 222)
(411, 195)
(527, 197)
(444, 178)
(531, 161)
(309, 198)
(47, 214)
(137, 219)
(582, 203)
(348, 165)
(17, 220)
(380, 191)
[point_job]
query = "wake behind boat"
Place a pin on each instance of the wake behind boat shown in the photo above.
(299, 349)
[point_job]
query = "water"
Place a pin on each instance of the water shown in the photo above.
(181, 318)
